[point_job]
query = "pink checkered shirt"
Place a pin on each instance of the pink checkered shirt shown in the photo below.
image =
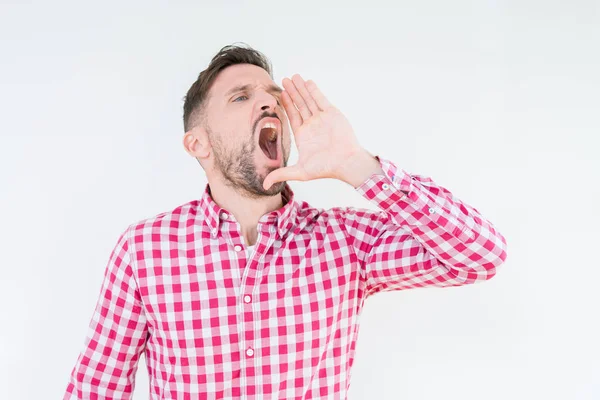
(216, 322)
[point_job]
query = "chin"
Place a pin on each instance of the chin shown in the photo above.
(275, 189)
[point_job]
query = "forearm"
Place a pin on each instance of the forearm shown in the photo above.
(455, 233)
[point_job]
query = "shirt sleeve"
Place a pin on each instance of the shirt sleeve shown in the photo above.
(423, 237)
(106, 367)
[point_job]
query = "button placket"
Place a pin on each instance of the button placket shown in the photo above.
(246, 304)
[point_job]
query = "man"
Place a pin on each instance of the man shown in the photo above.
(249, 293)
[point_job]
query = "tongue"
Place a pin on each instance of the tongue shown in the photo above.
(271, 150)
(268, 147)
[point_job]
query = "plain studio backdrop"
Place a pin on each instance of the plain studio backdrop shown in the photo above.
(496, 100)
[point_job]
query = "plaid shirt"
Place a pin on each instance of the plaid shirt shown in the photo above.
(216, 322)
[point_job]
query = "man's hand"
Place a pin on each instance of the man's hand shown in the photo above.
(327, 146)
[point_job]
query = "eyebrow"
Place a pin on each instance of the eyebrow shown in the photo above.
(242, 88)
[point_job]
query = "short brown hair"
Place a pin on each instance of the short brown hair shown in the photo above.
(197, 94)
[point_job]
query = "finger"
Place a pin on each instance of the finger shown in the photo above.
(292, 173)
(301, 86)
(291, 111)
(316, 94)
(297, 99)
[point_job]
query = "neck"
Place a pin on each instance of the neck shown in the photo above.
(246, 210)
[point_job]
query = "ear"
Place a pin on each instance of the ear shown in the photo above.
(196, 143)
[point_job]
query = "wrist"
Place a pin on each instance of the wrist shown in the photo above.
(359, 167)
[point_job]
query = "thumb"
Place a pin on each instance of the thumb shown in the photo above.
(293, 172)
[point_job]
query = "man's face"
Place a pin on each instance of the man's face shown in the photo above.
(247, 128)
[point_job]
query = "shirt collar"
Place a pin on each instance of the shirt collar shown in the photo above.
(283, 219)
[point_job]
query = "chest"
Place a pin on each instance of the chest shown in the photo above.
(305, 286)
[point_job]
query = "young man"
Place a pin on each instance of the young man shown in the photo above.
(249, 293)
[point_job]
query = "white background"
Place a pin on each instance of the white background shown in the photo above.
(496, 100)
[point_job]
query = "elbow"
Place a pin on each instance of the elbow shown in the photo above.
(495, 255)
(484, 259)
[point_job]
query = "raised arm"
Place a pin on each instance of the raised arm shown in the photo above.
(424, 235)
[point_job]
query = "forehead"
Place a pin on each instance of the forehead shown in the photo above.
(237, 75)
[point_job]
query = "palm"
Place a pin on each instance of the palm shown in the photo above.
(322, 143)
(323, 135)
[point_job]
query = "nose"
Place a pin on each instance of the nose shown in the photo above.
(267, 101)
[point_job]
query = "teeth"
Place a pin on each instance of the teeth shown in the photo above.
(273, 127)
(273, 136)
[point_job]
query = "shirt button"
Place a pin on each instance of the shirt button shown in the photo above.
(214, 232)
(237, 247)
(250, 352)
(247, 299)
(431, 210)
(224, 216)
(385, 186)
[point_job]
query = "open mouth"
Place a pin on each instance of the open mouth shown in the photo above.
(268, 140)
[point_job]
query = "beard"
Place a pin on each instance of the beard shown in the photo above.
(238, 168)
